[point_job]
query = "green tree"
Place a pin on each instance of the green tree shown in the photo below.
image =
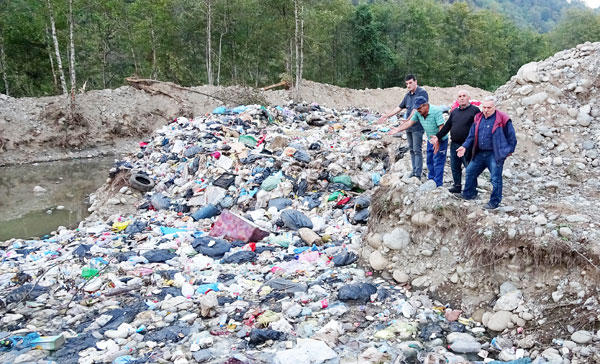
(373, 55)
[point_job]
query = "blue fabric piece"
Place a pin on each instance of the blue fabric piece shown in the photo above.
(485, 133)
(517, 361)
(169, 230)
(239, 109)
(203, 288)
(220, 110)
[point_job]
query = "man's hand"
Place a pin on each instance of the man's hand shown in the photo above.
(436, 146)
(394, 131)
(460, 152)
(433, 140)
(382, 119)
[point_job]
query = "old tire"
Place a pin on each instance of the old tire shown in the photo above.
(141, 182)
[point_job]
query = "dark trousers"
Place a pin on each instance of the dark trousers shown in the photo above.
(456, 163)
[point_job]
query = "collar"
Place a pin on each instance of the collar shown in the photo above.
(466, 107)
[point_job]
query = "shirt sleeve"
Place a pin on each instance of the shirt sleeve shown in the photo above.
(423, 93)
(415, 117)
(404, 102)
(442, 133)
(439, 119)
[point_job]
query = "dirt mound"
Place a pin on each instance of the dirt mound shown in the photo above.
(113, 120)
(542, 241)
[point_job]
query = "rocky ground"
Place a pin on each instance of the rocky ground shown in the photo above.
(300, 193)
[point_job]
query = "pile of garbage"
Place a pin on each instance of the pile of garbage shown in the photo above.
(244, 250)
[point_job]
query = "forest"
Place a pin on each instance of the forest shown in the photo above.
(50, 47)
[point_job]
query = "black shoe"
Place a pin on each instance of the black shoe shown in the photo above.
(489, 207)
(455, 189)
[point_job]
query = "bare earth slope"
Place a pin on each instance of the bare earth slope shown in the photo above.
(38, 129)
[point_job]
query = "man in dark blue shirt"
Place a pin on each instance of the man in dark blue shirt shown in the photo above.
(414, 134)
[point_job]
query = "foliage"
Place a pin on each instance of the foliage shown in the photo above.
(349, 43)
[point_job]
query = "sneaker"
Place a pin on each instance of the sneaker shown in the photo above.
(455, 189)
(489, 207)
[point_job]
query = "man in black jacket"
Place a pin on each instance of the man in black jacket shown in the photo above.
(458, 125)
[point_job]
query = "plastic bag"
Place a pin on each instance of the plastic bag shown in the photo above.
(294, 219)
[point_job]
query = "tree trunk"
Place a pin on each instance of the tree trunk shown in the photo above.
(72, 59)
(3, 66)
(153, 39)
(209, 71)
(49, 48)
(61, 72)
(297, 44)
(220, 45)
(299, 84)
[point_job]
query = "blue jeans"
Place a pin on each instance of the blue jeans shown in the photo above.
(457, 162)
(435, 162)
(415, 145)
(482, 160)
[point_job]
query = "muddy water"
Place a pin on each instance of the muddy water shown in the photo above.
(26, 214)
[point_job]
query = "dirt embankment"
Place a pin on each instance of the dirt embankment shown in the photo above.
(108, 121)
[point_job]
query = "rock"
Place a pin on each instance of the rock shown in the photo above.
(557, 296)
(538, 98)
(428, 186)
(588, 145)
(400, 276)
(398, 239)
(557, 161)
(374, 240)
(525, 90)
(565, 232)
(420, 282)
(39, 189)
(499, 321)
(377, 260)
(529, 72)
(422, 218)
(582, 337)
(540, 219)
(113, 201)
(509, 301)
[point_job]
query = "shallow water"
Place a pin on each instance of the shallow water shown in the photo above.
(25, 214)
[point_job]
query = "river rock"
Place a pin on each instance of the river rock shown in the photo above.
(565, 232)
(39, 189)
(538, 98)
(400, 276)
(499, 321)
(525, 90)
(509, 301)
(377, 260)
(397, 239)
(529, 72)
(582, 337)
(422, 218)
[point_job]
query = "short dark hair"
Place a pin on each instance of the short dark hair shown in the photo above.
(410, 76)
